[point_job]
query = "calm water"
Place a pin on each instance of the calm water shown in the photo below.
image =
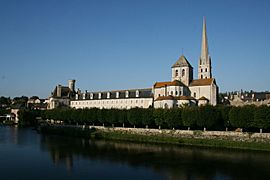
(24, 154)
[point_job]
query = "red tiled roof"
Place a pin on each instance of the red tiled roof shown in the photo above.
(202, 82)
(169, 83)
(203, 98)
(164, 98)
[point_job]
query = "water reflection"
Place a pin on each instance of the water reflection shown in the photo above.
(168, 162)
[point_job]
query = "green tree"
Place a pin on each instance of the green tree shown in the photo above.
(190, 116)
(147, 117)
(134, 117)
(122, 117)
(173, 118)
(5, 101)
(159, 117)
(28, 117)
(262, 117)
(208, 117)
(224, 115)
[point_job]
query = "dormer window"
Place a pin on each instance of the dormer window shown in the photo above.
(108, 95)
(117, 94)
(91, 96)
(176, 73)
(137, 93)
(127, 93)
(84, 95)
(99, 95)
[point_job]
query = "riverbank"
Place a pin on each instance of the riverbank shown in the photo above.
(217, 139)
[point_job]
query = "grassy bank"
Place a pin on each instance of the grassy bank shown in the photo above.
(123, 136)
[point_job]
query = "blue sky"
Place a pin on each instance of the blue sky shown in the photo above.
(122, 44)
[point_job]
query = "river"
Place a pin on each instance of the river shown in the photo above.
(25, 154)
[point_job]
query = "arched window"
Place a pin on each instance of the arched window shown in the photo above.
(176, 72)
(166, 106)
(176, 93)
(183, 72)
(201, 76)
(201, 70)
(171, 92)
(205, 69)
(194, 95)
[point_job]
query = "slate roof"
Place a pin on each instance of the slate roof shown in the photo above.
(65, 92)
(169, 83)
(182, 62)
(143, 93)
(202, 82)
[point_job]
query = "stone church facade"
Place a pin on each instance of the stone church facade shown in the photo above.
(183, 89)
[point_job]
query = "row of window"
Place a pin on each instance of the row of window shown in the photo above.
(121, 107)
(137, 94)
(176, 93)
(204, 77)
(106, 102)
(204, 70)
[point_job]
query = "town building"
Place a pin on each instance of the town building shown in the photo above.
(241, 98)
(182, 90)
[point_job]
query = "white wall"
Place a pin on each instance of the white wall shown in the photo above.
(113, 103)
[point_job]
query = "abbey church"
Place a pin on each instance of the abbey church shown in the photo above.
(183, 89)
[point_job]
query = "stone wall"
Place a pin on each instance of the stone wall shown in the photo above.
(222, 135)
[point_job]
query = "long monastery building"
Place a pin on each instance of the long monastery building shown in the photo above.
(182, 89)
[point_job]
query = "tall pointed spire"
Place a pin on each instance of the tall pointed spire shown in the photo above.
(204, 50)
(205, 69)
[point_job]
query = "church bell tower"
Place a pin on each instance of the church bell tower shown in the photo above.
(205, 68)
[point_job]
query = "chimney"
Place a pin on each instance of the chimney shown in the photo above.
(58, 91)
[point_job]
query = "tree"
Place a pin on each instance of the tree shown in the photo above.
(234, 117)
(134, 116)
(173, 117)
(28, 117)
(189, 116)
(20, 101)
(147, 117)
(208, 117)
(224, 115)
(262, 117)
(242, 117)
(112, 116)
(122, 117)
(5, 101)
(159, 117)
